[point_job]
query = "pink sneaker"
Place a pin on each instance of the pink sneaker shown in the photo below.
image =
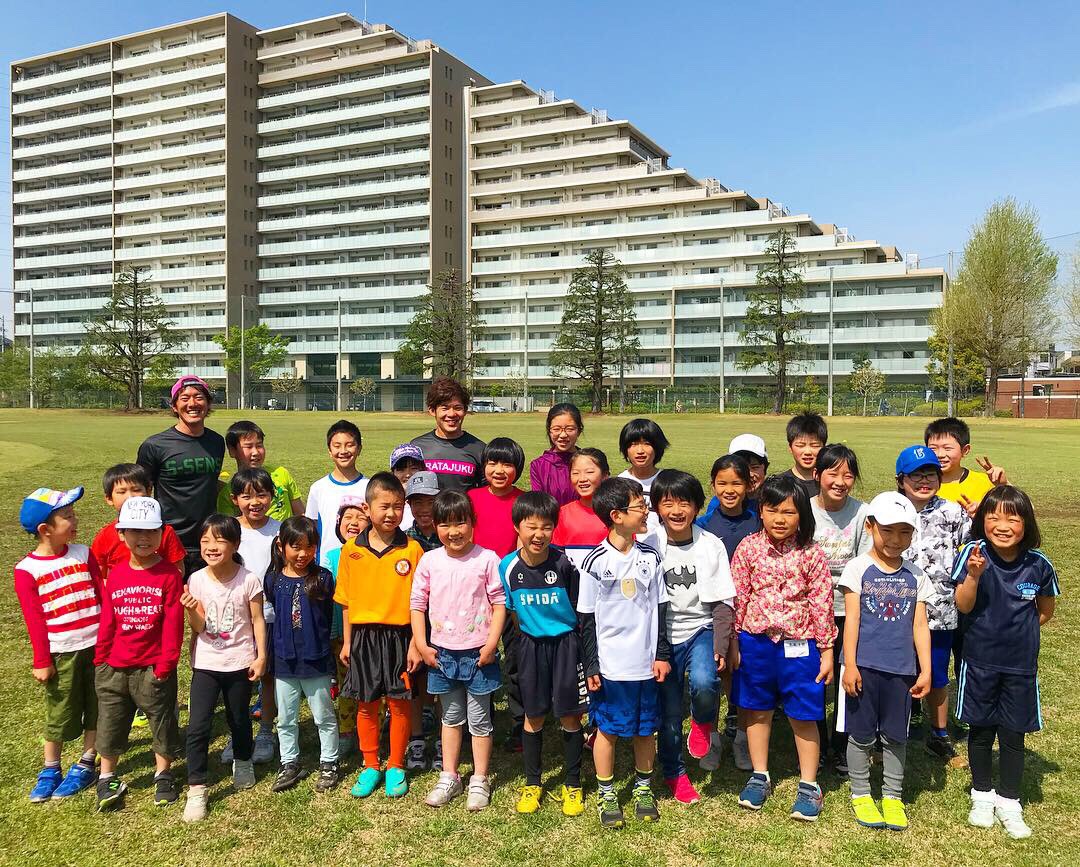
(682, 790)
(698, 741)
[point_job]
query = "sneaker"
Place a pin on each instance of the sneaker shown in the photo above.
(78, 777)
(573, 800)
(682, 790)
(415, 755)
(329, 777)
(367, 782)
(256, 709)
(941, 747)
(840, 763)
(243, 774)
(436, 760)
(982, 809)
(479, 793)
(1011, 816)
(290, 774)
(712, 759)
(611, 814)
(590, 739)
(140, 721)
(110, 793)
(892, 809)
(699, 740)
(346, 743)
(428, 716)
(513, 744)
(808, 801)
(740, 751)
(866, 812)
(446, 789)
(529, 800)
(265, 747)
(165, 790)
(227, 753)
(754, 793)
(645, 805)
(195, 806)
(396, 786)
(48, 779)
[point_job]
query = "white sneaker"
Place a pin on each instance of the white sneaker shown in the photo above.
(1011, 816)
(479, 794)
(711, 760)
(195, 806)
(243, 774)
(741, 752)
(982, 809)
(446, 789)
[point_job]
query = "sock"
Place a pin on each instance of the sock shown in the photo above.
(266, 726)
(88, 759)
(367, 730)
(400, 725)
(642, 779)
(605, 786)
(808, 784)
(532, 745)
(104, 776)
(54, 765)
(939, 733)
(764, 774)
(573, 746)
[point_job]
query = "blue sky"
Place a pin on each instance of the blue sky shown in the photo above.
(902, 121)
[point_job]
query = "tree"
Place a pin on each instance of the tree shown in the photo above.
(969, 375)
(598, 334)
(774, 320)
(257, 349)
(999, 306)
(131, 337)
(287, 384)
(811, 392)
(1071, 299)
(362, 387)
(439, 337)
(865, 380)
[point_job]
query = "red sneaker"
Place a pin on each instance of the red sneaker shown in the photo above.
(698, 741)
(682, 790)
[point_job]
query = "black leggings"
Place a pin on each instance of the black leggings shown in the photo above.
(235, 688)
(1010, 762)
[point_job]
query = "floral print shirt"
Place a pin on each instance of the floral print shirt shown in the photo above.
(943, 528)
(783, 591)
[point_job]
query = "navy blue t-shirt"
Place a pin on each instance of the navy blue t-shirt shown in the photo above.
(300, 634)
(1002, 631)
(732, 529)
(543, 597)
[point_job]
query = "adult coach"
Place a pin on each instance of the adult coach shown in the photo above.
(184, 462)
(449, 452)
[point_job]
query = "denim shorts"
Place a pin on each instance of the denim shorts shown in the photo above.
(459, 668)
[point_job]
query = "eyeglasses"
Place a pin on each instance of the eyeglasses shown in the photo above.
(923, 475)
(636, 507)
(559, 431)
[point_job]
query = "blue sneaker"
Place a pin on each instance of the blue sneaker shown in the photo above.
(808, 801)
(754, 793)
(46, 784)
(78, 777)
(367, 782)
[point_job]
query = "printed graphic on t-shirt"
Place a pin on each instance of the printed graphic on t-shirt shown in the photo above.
(889, 597)
(219, 629)
(141, 608)
(684, 575)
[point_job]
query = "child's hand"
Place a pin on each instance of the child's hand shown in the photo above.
(852, 681)
(257, 669)
(44, 675)
(593, 682)
(922, 685)
(430, 657)
(487, 654)
(825, 672)
(188, 601)
(721, 663)
(968, 506)
(343, 657)
(661, 670)
(976, 563)
(996, 474)
(413, 659)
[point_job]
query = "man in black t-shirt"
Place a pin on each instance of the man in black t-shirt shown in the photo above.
(449, 452)
(184, 462)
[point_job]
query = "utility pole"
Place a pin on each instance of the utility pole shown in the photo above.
(723, 362)
(525, 356)
(32, 401)
(950, 361)
(337, 379)
(831, 296)
(243, 357)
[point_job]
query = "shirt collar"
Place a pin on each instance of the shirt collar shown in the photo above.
(785, 547)
(400, 541)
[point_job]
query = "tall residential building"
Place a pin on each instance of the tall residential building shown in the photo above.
(549, 181)
(137, 151)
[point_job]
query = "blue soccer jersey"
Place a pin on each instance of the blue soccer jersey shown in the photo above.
(544, 597)
(1001, 632)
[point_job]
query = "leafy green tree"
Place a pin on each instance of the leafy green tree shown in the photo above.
(865, 380)
(811, 392)
(256, 349)
(774, 322)
(969, 375)
(598, 334)
(440, 336)
(287, 384)
(363, 387)
(1071, 299)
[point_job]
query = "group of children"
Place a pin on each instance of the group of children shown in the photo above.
(606, 595)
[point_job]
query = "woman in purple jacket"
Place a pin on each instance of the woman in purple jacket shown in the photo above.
(551, 471)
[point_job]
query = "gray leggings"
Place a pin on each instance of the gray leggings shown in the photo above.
(459, 705)
(892, 761)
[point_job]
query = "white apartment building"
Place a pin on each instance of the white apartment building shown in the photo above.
(550, 181)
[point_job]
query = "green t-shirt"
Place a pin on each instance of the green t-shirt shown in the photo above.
(285, 491)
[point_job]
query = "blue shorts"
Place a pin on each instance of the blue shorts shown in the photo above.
(883, 707)
(459, 668)
(985, 697)
(626, 708)
(766, 676)
(941, 646)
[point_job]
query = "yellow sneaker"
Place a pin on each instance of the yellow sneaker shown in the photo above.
(140, 721)
(866, 812)
(573, 800)
(895, 815)
(529, 802)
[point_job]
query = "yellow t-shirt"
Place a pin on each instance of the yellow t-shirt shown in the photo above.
(375, 587)
(971, 484)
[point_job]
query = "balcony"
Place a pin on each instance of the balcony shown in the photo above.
(341, 218)
(90, 70)
(317, 144)
(104, 279)
(343, 269)
(70, 237)
(25, 263)
(59, 215)
(345, 88)
(329, 347)
(345, 192)
(155, 82)
(176, 127)
(346, 115)
(376, 240)
(164, 55)
(90, 302)
(515, 105)
(156, 106)
(571, 124)
(416, 156)
(157, 154)
(348, 320)
(197, 272)
(296, 297)
(78, 143)
(58, 170)
(71, 191)
(346, 59)
(561, 181)
(158, 203)
(72, 97)
(167, 251)
(72, 121)
(157, 227)
(199, 296)
(199, 173)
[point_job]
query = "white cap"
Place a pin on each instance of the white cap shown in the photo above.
(892, 507)
(139, 513)
(748, 443)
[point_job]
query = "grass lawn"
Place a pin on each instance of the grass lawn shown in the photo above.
(66, 448)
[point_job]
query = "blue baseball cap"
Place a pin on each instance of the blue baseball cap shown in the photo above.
(913, 457)
(37, 507)
(409, 451)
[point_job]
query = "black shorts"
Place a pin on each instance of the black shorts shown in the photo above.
(883, 707)
(985, 697)
(378, 658)
(551, 676)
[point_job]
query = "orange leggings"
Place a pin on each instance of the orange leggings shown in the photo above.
(367, 730)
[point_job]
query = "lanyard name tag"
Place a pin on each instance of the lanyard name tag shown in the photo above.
(796, 647)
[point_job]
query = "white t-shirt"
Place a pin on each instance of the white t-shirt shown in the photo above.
(228, 641)
(624, 592)
(646, 489)
(696, 576)
(323, 501)
(256, 547)
(842, 536)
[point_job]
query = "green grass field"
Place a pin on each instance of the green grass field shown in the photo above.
(65, 448)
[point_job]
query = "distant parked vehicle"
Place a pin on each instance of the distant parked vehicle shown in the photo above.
(485, 405)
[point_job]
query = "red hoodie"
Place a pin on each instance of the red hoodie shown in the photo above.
(142, 621)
